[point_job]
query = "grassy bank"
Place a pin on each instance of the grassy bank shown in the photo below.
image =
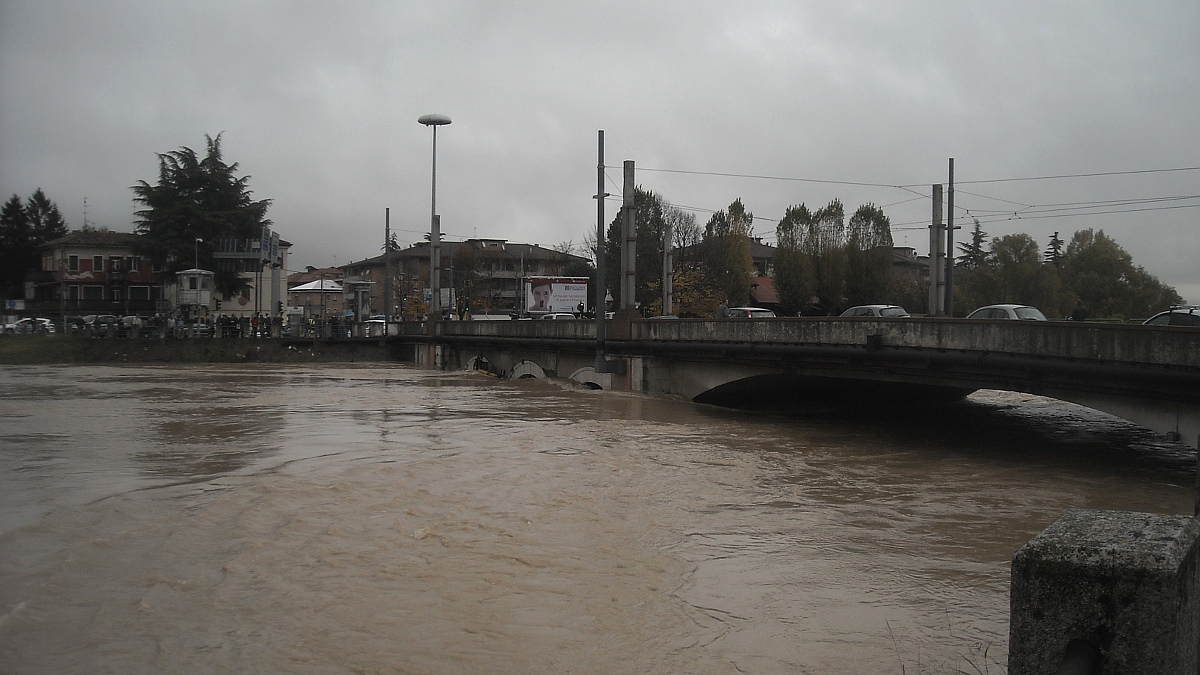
(38, 349)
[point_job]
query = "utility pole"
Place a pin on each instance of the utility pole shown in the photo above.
(668, 267)
(937, 257)
(629, 241)
(387, 266)
(601, 290)
(950, 243)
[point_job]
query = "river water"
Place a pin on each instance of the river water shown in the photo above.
(388, 519)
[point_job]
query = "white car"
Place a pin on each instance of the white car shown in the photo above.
(1020, 312)
(30, 325)
(560, 316)
(883, 311)
(1182, 315)
(749, 313)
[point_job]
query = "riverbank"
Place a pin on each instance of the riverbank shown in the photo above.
(59, 349)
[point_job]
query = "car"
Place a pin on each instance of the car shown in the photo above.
(559, 316)
(1008, 311)
(883, 311)
(30, 325)
(1179, 315)
(749, 313)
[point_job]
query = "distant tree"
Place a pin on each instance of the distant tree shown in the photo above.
(1054, 251)
(1098, 271)
(23, 229)
(651, 215)
(868, 256)
(794, 279)
(1014, 272)
(974, 254)
(725, 252)
(692, 296)
(197, 197)
(15, 249)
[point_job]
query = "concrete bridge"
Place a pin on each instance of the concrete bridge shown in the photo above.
(1148, 375)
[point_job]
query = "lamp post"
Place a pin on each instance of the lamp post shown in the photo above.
(198, 242)
(435, 225)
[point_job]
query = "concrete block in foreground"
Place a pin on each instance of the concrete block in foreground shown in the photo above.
(1125, 582)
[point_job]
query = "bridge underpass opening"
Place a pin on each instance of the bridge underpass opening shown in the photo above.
(795, 393)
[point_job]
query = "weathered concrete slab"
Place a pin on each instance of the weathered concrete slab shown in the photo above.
(1126, 582)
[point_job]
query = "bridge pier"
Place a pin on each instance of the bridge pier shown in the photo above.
(1122, 585)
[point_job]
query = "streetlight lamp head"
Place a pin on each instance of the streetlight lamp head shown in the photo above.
(433, 120)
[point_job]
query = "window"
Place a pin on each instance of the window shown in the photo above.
(72, 292)
(73, 263)
(135, 264)
(116, 295)
(93, 292)
(139, 293)
(114, 265)
(191, 283)
(97, 263)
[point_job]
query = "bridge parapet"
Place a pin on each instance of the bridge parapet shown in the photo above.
(1139, 345)
(1170, 347)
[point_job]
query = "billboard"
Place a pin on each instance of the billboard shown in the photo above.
(555, 294)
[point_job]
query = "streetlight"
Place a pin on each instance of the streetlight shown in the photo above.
(198, 242)
(435, 229)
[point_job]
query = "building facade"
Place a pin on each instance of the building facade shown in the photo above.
(482, 276)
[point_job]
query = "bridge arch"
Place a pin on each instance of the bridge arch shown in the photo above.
(589, 378)
(526, 369)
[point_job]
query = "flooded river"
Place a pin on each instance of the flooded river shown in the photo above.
(388, 519)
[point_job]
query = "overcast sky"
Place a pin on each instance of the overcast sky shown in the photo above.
(776, 103)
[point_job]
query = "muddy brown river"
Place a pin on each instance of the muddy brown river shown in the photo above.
(388, 519)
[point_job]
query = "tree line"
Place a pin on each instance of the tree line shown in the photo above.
(824, 262)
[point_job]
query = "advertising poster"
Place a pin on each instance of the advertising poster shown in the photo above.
(555, 294)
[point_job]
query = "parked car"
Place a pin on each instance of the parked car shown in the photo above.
(1180, 315)
(1019, 312)
(553, 316)
(749, 313)
(30, 325)
(882, 311)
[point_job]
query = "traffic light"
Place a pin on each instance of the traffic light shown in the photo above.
(218, 303)
(279, 307)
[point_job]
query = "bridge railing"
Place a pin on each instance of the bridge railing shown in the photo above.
(1170, 347)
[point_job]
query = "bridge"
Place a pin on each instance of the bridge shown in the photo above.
(1148, 375)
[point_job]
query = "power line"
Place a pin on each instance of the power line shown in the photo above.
(1079, 175)
(780, 178)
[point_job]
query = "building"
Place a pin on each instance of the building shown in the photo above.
(100, 272)
(482, 274)
(94, 272)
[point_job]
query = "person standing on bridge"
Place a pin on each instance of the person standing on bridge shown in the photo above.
(1080, 312)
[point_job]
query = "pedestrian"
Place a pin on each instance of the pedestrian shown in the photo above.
(1080, 312)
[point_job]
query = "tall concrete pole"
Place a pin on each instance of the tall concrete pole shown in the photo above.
(937, 257)
(668, 267)
(601, 289)
(629, 241)
(387, 265)
(950, 243)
